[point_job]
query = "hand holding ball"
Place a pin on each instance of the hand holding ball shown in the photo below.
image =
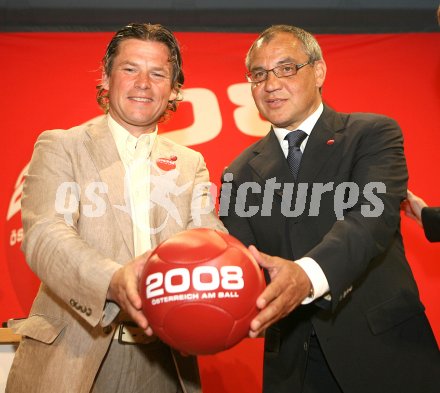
(199, 290)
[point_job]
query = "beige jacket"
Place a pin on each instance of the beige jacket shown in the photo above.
(70, 321)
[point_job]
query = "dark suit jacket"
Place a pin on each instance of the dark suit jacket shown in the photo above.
(431, 223)
(373, 331)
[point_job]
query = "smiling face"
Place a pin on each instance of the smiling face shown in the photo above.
(286, 102)
(139, 85)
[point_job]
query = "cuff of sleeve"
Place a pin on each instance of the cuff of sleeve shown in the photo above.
(109, 309)
(317, 277)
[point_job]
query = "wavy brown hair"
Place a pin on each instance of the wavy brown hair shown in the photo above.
(145, 32)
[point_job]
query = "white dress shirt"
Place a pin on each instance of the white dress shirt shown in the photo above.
(135, 155)
(309, 265)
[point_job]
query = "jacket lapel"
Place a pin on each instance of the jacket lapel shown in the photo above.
(158, 214)
(269, 161)
(322, 143)
(104, 154)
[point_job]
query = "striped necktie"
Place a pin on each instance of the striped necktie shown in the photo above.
(295, 139)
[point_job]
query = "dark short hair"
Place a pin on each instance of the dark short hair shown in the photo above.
(145, 32)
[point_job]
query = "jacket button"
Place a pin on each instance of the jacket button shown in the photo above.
(306, 346)
(107, 329)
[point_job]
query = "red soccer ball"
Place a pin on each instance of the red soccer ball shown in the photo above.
(199, 289)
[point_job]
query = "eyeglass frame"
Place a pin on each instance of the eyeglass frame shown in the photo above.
(296, 68)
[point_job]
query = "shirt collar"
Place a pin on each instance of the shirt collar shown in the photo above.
(126, 143)
(306, 126)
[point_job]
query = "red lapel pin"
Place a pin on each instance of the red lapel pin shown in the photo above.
(167, 164)
(330, 142)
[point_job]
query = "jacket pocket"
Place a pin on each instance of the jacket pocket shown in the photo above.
(393, 312)
(39, 327)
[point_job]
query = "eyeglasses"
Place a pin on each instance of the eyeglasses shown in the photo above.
(281, 71)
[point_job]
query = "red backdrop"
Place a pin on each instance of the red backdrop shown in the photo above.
(48, 81)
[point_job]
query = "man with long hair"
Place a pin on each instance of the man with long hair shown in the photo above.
(90, 219)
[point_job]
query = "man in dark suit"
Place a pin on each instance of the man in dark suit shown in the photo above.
(427, 217)
(342, 311)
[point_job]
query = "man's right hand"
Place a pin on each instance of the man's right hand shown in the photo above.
(124, 290)
(412, 207)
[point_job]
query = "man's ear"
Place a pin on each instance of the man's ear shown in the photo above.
(174, 94)
(320, 71)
